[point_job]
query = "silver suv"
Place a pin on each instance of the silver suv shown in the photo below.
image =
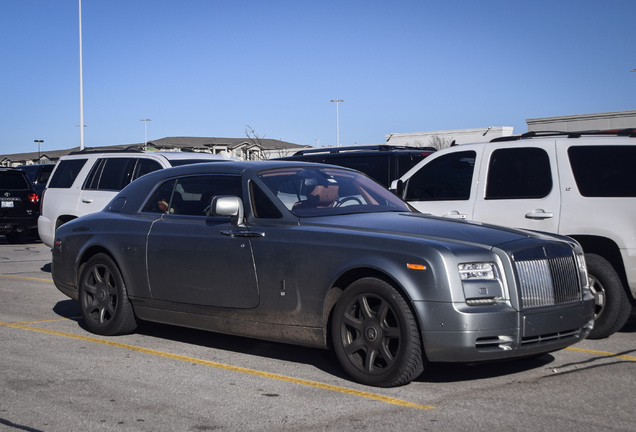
(579, 184)
(84, 182)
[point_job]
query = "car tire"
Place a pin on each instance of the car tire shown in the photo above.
(103, 299)
(375, 335)
(612, 305)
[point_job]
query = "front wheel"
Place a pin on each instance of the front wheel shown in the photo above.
(612, 307)
(103, 299)
(375, 335)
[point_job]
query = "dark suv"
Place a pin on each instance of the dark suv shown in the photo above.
(38, 174)
(19, 205)
(383, 163)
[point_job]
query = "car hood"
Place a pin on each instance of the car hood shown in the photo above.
(424, 226)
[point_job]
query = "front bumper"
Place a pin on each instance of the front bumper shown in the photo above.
(461, 333)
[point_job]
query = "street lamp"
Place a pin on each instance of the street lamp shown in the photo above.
(145, 132)
(337, 101)
(39, 142)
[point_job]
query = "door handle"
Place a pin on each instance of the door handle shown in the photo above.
(539, 214)
(456, 215)
(243, 233)
(87, 200)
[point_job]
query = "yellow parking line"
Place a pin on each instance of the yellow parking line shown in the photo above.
(603, 353)
(253, 372)
(26, 278)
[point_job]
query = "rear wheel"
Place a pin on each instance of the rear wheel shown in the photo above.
(612, 305)
(103, 299)
(375, 335)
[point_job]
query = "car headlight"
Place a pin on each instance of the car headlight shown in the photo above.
(477, 271)
(481, 283)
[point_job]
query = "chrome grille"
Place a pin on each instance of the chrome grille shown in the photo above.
(548, 281)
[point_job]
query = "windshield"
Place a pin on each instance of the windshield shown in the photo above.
(317, 191)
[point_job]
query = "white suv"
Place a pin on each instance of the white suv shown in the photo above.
(579, 184)
(84, 182)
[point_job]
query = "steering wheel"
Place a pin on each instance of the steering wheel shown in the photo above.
(349, 198)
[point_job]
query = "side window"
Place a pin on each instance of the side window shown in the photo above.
(66, 173)
(159, 201)
(192, 196)
(443, 179)
(375, 166)
(145, 166)
(407, 161)
(262, 205)
(110, 174)
(604, 171)
(519, 173)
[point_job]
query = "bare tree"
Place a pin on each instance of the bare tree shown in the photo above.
(255, 139)
(439, 142)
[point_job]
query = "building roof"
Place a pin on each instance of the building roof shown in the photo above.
(182, 143)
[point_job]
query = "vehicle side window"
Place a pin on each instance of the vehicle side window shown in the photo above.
(376, 167)
(66, 173)
(159, 201)
(604, 171)
(447, 178)
(262, 205)
(111, 174)
(519, 173)
(192, 196)
(145, 166)
(407, 161)
(45, 173)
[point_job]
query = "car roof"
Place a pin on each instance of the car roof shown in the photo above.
(357, 150)
(180, 155)
(237, 167)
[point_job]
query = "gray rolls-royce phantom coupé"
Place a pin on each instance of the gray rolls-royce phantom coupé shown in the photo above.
(324, 257)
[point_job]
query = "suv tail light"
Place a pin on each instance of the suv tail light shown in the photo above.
(34, 198)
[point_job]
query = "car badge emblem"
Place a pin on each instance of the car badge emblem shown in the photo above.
(7, 194)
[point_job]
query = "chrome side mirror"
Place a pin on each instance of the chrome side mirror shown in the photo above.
(226, 205)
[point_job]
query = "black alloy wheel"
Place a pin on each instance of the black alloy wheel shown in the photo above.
(375, 335)
(103, 299)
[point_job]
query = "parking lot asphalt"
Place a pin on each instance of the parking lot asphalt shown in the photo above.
(56, 376)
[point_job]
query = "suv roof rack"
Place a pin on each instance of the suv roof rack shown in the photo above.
(629, 132)
(379, 147)
(94, 151)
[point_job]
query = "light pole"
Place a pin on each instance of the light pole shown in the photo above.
(145, 132)
(337, 101)
(81, 80)
(39, 142)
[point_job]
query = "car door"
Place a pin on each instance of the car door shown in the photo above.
(107, 177)
(445, 184)
(519, 186)
(194, 258)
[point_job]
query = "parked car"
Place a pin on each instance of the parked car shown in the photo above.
(579, 184)
(38, 174)
(321, 256)
(383, 163)
(84, 182)
(19, 205)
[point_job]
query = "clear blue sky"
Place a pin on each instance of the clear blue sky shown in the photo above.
(209, 68)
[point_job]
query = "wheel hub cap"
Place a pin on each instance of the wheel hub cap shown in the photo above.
(371, 333)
